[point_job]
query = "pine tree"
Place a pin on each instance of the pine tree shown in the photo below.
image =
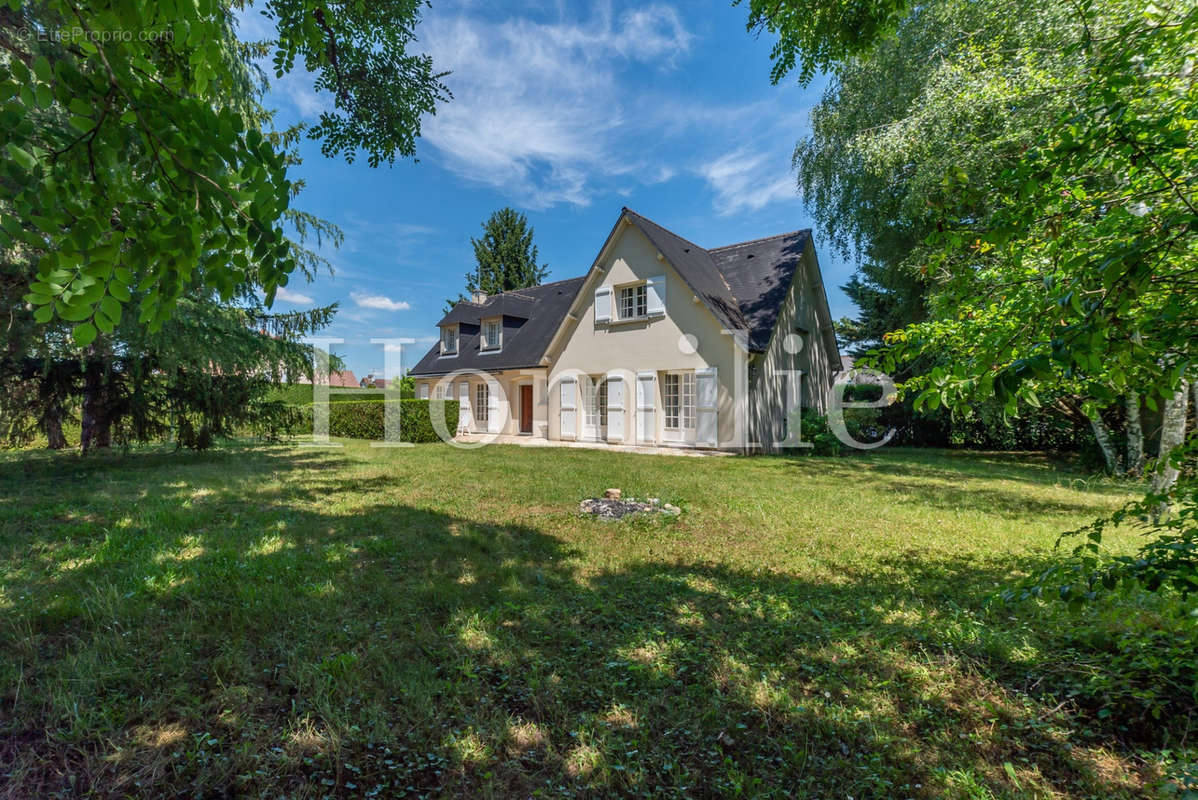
(506, 256)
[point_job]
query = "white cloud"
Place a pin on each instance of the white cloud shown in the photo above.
(289, 296)
(748, 180)
(378, 301)
(297, 87)
(537, 106)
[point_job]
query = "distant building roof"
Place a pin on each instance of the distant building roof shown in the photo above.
(342, 378)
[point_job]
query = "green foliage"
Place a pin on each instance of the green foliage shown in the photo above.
(863, 424)
(1082, 276)
(1168, 560)
(353, 418)
(136, 161)
(506, 256)
(987, 428)
(814, 37)
(1034, 167)
(301, 394)
(359, 52)
(967, 84)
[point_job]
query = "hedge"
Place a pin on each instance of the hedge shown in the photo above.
(364, 420)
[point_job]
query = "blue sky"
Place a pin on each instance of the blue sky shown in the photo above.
(566, 112)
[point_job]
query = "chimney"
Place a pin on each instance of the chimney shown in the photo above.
(478, 298)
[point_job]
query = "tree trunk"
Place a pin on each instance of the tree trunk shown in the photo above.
(93, 427)
(1102, 434)
(52, 426)
(1135, 436)
(1194, 387)
(1173, 433)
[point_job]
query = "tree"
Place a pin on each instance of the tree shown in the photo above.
(133, 160)
(958, 93)
(506, 256)
(210, 366)
(1066, 264)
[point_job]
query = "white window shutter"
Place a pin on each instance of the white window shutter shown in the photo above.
(492, 406)
(423, 391)
(568, 411)
(603, 304)
(615, 409)
(655, 296)
(464, 420)
(646, 403)
(707, 397)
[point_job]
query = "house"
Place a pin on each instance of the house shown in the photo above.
(343, 378)
(661, 343)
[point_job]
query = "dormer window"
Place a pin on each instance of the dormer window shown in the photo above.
(449, 340)
(634, 301)
(492, 338)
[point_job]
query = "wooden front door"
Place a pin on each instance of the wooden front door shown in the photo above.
(526, 409)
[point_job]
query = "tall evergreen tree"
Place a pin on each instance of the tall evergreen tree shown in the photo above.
(506, 256)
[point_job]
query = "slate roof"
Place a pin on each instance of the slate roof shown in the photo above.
(759, 274)
(541, 310)
(696, 267)
(517, 304)
(744, 285)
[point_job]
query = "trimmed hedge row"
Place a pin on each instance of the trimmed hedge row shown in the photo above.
(301, 394)
(364, 420)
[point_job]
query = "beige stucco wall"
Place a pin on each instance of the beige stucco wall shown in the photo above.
(812, 359)
(508, 382)
(626, 348)
(648, 345)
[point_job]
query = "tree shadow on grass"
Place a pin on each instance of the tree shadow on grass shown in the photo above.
(937, 485)
(255, 640)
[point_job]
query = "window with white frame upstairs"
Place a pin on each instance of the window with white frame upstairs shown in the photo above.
(634, 301)
(449, 340)
(492, 338)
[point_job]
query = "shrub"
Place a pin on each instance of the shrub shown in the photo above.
(416, 424)
(364, 419)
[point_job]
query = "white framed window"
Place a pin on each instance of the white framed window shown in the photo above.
(449, 340)
(482, 402)
(492, 334)
(595, 402)
(439, 391)
(678, 397)
(634, 302)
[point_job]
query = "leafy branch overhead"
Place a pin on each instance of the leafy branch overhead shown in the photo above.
(1019, 190)
(134, 164)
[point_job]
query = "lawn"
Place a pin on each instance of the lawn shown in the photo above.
(368, 622)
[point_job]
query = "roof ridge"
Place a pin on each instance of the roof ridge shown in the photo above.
(517, 292)
(759, 239)
(715, 267)
(551, 283)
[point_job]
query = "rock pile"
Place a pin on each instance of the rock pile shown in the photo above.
(611, 506)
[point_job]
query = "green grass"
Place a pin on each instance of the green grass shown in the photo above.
(289, 621)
